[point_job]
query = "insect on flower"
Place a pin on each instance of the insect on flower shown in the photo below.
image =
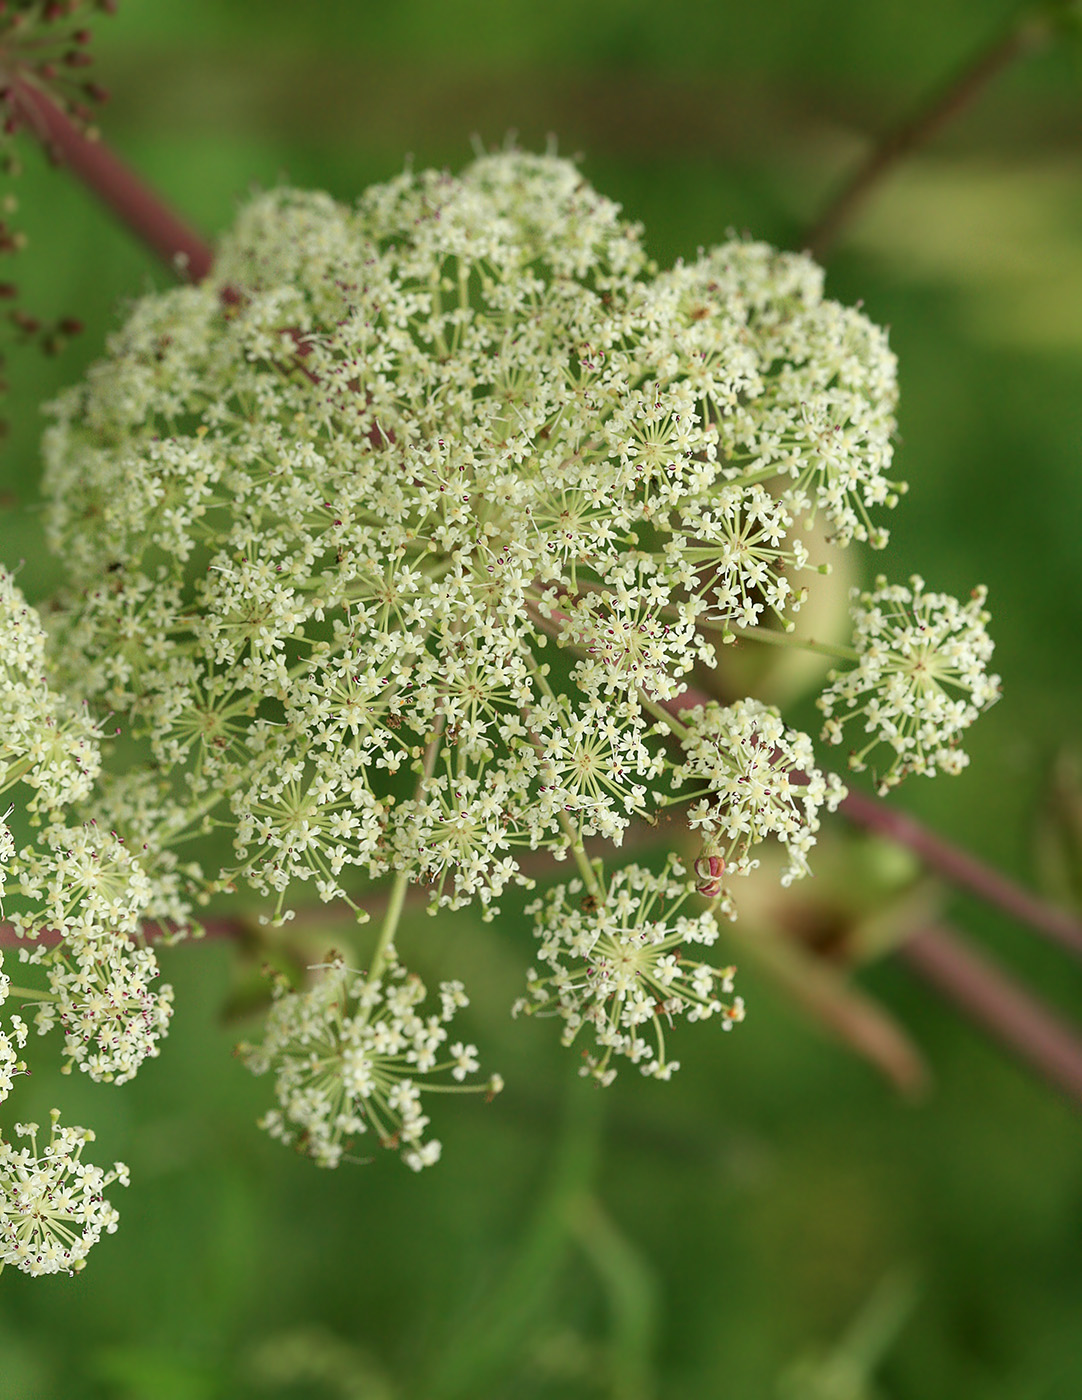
(709, 870)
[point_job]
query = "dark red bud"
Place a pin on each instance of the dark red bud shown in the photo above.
(70, 326)
(75, 58)
(96, 92)
(81, 36)
(47, 71)
(8, 290)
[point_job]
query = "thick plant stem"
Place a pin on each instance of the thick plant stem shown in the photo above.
(581, 859)
(922, 127)
(665, 711)
(31, 993)
(179, 246)
(964, 870)
(397, 899)
(976, 985)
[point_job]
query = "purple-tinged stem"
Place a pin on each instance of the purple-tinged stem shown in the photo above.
(911, 135)
(215, 928)
(977, 986)
(221, 927)
(964, 870)
(179, 246)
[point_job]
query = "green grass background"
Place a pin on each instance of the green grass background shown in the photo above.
(702, 1238)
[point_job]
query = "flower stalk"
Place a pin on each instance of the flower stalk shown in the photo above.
(1031, 31)
(124, 192)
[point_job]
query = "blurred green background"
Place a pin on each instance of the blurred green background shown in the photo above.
(754, 1228)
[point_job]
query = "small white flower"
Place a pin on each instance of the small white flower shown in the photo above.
(751, 777)
(624, 965)
(920, 679)
(52, 1210)
(465, 1058)
(349, 1054)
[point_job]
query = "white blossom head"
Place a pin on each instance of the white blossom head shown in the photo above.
(750, 777)
(393, 545)
(921, 678)
(620, 969)
(804, 388)
(79, 906)
(52, 1206)
(323, 513)
(103, 998)
(83, 882)
(12, 1040)
(354, 1054)
(46, 741)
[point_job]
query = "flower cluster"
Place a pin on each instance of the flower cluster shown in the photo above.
(350, 1053)
(392, 546)
(46, 741)
(52, 1207)
(752, 778)
(76, 899)
(921, 678)
(84, 884)
(619, 964)
(11, 1042)
(322, 513)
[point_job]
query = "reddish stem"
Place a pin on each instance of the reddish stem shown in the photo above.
(911, 135)
(215, 928)
(975, 984)
(964, 870)
(179, 246)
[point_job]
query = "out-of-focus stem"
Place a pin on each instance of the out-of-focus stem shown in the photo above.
(964, 870)
(977, 986)
(179, 246)
(955, 95)
(391, 920)
(789, 639)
